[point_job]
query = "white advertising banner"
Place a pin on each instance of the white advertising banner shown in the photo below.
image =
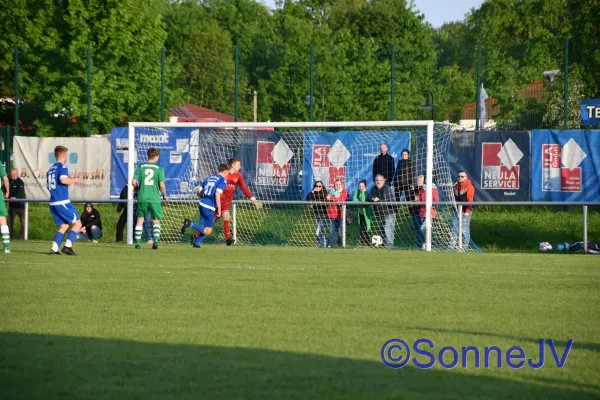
(88, 159)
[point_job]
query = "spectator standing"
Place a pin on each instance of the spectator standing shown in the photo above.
(365, 213)
(385, 215)
(318, 193)
(16, 208)
(334, 212)
(423, 209)
(91, 224)
(404, 178)
(384, 165)
(463, 191)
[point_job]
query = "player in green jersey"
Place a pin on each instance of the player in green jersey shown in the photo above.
(149, 178)
(3, 212)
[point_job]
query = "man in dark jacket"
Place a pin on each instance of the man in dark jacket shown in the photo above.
(384, 165)
(16, 208)
(384, 214)
(404, 178)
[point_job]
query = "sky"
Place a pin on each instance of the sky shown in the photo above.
(436, 11)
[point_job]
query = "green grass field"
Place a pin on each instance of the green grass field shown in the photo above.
(269, 322)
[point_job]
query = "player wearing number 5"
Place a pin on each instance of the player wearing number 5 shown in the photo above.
(63, 212)
(149, 178)
(210, 205)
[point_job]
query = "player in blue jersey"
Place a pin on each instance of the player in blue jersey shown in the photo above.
(210, 204)
(63, 212)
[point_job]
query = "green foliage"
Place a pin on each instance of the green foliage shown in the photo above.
(352, 41)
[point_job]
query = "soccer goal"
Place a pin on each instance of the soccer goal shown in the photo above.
(282, 163)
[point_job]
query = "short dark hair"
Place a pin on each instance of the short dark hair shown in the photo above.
(223, 167)
(153, 152)
(465, 172)
(233, 161)
(58, 150)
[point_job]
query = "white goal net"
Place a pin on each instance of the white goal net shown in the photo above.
(284, 164)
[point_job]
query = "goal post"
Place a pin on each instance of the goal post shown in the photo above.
(213, 143)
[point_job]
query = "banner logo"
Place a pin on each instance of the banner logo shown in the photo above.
(328, 162)
(155, 139)
(499, 165)
(273, 163)
(560, 167)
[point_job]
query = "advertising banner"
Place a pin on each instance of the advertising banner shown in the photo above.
(565, 165)
(347, 156)
(88, 159)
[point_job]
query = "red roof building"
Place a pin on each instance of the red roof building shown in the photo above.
(194, 113)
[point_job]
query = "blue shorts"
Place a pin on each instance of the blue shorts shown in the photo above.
(64, 214)
(207, 217)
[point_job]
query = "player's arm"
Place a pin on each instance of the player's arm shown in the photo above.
(161, 185)
(248, 193)
(64, 177)
(218, 201)
(136, 178)
(6, 186)
(163, 190)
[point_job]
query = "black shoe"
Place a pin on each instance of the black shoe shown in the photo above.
(69, 251)
(230, 242)
(186, 224)
(137, 246)
(195, 246)
(54, 253)
(154, 246)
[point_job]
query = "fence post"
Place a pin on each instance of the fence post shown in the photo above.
(343, 225)
(162, 84)
(585, 230)
(460, 227)
(89, 92)
(7, 147)
(566, 100)
(393, 84)
(311, 93)
(478, 91)
(16, 57)
(234, 222)
(26, 222)
(236, 84)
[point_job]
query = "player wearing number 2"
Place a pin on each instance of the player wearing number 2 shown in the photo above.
(149, 178)
(210, 205)
(63, 212)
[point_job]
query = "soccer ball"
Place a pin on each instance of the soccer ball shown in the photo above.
(376, 241)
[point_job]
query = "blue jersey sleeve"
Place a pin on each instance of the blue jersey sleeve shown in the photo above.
(63, 172)
(221, 184)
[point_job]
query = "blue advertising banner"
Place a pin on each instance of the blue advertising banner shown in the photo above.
(174, 146)
(501, 168)
(347, 156)
(590, 112)
(565, 165)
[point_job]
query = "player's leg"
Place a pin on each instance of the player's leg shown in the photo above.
(207, 220)
(227, 227)
(4, 227)
(142, 209)
(71, 215)
(157, 216)
(63, 226)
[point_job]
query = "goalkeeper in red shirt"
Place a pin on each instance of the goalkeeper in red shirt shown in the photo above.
(234, 179)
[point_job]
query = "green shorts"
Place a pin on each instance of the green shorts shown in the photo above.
(3, 211)
(154, 208)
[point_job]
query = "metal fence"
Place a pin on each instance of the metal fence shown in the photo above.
(460, 205)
